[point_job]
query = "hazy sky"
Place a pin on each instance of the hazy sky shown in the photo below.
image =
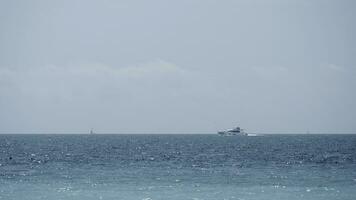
(184, 66)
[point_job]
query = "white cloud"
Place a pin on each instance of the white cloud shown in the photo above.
(152, 68)
(96, 95)
(91, 77)
(334, 67)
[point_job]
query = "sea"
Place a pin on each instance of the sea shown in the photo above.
(178, 166)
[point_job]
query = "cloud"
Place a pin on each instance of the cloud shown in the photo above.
(271, 72)
(68, 98)
(334, 67)
(91, 78)
(140, 70)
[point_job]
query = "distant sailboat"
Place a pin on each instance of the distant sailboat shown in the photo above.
(91, 132)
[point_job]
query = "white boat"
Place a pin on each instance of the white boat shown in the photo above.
(233, 132)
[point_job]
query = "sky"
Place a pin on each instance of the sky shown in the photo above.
(187, 66)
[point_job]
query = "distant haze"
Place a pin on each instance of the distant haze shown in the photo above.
(187, 66)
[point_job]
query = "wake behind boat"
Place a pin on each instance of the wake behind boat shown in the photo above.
(233, 132)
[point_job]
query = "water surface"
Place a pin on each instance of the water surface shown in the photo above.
(177, 167)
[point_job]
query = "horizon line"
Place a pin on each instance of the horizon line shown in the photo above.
(172, 133)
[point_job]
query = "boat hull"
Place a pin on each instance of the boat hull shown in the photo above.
(227, 133)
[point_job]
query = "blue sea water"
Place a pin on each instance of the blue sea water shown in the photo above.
(161, 167)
